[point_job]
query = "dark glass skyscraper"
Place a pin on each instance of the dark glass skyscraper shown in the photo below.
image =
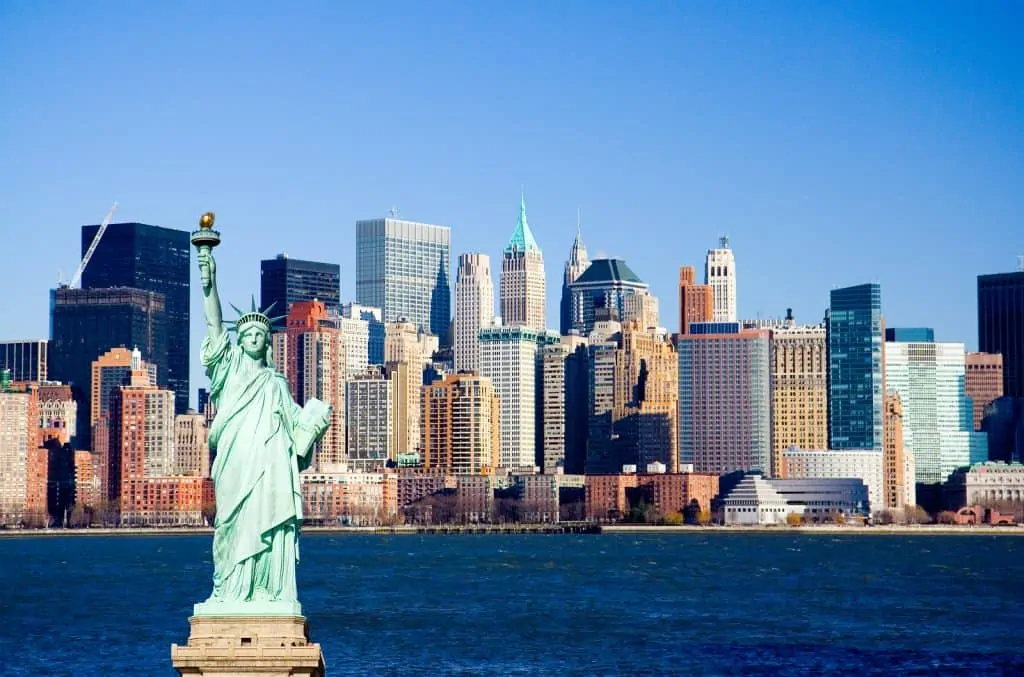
(85, 323)
(855, 384)
(154, 259)
(1001, 325)
(283, 281)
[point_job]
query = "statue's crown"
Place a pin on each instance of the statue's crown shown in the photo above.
(255, 317)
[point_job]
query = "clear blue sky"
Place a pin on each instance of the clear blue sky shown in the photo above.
(836, 143)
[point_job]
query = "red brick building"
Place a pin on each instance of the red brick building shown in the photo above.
(612, 496)
(984, 382)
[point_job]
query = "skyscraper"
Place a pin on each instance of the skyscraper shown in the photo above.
(374, 329)
(724, 405)
(575, 266)
(26, 359)
(799, 386)
(720, 275)
(460, 415)
(403, 268)
(86, 323)
(474, 308)
(1001, 325)
(984, 382)
(284, 280)
(523, 286)
(696, 301)
(929, 378)
(855, 386)
(605, 284)
(153, 259)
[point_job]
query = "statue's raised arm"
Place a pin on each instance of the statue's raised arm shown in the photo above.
(205, 239)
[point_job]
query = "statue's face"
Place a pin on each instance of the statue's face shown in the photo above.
(254, 343)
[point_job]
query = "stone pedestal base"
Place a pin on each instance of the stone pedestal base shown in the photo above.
(241, 646)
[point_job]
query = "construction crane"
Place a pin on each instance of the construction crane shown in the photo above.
(91, 250)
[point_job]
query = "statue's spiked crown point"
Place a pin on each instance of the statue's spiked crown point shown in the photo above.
(255, 317)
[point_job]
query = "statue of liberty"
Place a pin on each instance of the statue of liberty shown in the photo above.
(262, 439)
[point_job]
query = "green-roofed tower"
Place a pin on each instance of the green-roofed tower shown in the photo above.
(523, 288)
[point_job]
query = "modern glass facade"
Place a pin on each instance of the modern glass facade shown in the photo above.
(26, 359)
(1001, 325)
(403, 268)
(724, 401)
(283, 281)
(605, 284)
(938, 427)
(86, 323)
(910, 334)
(855, 384)
(153, 259)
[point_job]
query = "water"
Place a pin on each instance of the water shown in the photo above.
(692, 604)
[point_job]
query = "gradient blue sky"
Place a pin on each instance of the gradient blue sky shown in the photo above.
(836, 143)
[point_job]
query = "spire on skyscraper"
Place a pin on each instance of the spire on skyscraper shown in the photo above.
(522, 239)
(578, 253)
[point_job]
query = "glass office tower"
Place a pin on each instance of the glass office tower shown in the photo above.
(283, 281)
(153, 259)
(856, 388)
(1001, 325)
(402, 267)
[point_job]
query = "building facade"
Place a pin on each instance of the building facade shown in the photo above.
(988, 484)
(799, 390)
(523, 286)
(937, 427)
(720, 275)
(984, 382)
(403, 268)
(284, 280)
(369, 411)
(856, 377)
(510, 359)
(153, 259)
(867, 466)
(724, 398)
(27, 360)
(460, 422)
(86, 323)
(696, 301)
(898, 461)
(576, 265)
(603, 286)
(1000, 319)
(374, 329)
(191, 445)
(474, 308)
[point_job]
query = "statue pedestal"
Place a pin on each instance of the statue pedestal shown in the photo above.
(239, 646)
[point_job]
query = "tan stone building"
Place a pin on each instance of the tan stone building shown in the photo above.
(984, 382)
(799, 390)
(191, 445)
(460, 422)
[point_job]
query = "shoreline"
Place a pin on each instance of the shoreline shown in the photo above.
(553, 529)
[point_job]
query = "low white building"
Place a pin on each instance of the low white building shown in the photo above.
(865, 465)
(754, 502)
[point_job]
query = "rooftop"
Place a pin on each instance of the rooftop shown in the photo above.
(608, 270)
(522, 238)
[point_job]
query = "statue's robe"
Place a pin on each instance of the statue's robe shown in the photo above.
(259, 438)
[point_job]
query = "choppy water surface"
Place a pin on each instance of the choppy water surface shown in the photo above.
(693, 604)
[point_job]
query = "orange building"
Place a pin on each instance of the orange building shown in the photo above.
(984, 382)
(611, 496)
(37, 481)
(460, 424)
(696, 301)
(87, 482)
(163, 501)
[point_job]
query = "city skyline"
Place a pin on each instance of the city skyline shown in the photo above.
(863, 151)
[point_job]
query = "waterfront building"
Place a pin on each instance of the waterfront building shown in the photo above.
(474, 308)
(576, 265)
(696, 301)
(984, 382)
(369, 411)
(351, 498)
(152, 259)
(19, 412)
(865, 465)
(724, 398)
(799, 390)
(991, 483)
(312, 355)
(86, 323)
(511, 358)
(26, 360)
(523, 288)
(900, 490)
(856, 377)
(604, 285)
(374, 329)
(1001, 325)
(755, 502)
(720, 275)
(937, 427)
(823, 499)
(460, 423)
(284, 281)
(37, 484)
(612, 495)
(403, 268)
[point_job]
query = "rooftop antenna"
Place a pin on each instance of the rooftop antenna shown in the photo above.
(393, 212)
(723, 241)
(1020, 263)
